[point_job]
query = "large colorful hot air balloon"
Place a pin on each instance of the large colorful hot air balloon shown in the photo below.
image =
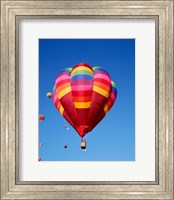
(83, 95)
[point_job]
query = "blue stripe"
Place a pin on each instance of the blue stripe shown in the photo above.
(114, 89)
(82, 77)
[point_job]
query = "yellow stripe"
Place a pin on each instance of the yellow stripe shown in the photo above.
(106, 109)
(101, 91)
(83, 68)
(64, 92)
(61, 110)
(82, 104)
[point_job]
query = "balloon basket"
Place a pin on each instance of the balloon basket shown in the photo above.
(83, 144)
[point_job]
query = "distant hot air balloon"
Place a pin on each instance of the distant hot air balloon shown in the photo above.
(83, 95)
(41, 117)
(65, 146)
(66, 127)
(49, 94)
(41, 144)
(39, 159)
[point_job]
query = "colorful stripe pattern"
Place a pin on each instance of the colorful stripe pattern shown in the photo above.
(83, 96)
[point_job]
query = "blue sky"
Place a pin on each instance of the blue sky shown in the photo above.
(113, 139)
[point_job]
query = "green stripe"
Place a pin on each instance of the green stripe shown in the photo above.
(81, 72)
(113, 84)
(97, 67)
(68, 69)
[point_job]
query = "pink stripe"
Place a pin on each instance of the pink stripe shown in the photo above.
(113, 96)
(81, 87)
(101, 72)
(111, 101)
(102, 76)
(54, 97)
(60, 78)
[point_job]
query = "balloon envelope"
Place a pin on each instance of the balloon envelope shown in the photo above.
(39, 159)
(49, 94)
(83, 95)
(41, 144)
(41, 117)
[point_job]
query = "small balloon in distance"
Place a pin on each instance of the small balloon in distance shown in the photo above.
(65, 146)
(41, 144)
(39, 159)
(66, 127)
(49, 95)
(41, 117)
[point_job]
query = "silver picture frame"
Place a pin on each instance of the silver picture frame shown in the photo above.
(159, 10)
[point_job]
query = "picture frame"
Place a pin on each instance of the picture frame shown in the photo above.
(162, 12)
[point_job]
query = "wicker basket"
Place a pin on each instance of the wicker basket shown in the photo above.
(83, 145)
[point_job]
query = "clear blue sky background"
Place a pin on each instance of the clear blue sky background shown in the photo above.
(114, 137)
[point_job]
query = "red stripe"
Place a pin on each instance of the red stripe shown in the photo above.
(68, 104)
(82, 98)
(61, 83)
(97, 120)
(82, 82)
(62, 87)
(97, 103)
(103, 86)
(81, 93)
(83, 116)
(67, 118)
(56, 102)
(103, 81)
(111, 102)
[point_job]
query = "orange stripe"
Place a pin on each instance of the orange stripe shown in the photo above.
(62, 87)
(106, 109)
(81, 98)
(61, 110)
(101, 85)
(58, 105)
(64, 92)
(100, 91)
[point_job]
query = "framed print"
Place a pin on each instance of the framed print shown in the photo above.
(67, 140)
(86, 99)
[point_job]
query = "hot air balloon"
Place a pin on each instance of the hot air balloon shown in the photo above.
(65, 146)
(66, 127)
(83, 95)
(39, 159)
(49, 94)
(41, 117)
(41, 144)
